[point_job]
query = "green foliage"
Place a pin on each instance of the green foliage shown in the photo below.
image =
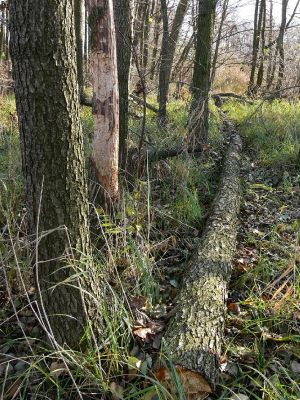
(271, 129)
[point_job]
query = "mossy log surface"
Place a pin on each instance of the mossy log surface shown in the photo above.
(195, 334)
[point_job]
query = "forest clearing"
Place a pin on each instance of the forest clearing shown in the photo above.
(149, 200)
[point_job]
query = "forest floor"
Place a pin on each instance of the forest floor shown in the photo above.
(151, 242)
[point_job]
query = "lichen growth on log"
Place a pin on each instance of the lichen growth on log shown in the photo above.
(195, 334)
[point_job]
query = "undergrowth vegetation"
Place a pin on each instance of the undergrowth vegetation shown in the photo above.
(141, 253)
(270, 129)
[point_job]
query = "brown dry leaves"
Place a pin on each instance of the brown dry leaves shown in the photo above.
(193, 384)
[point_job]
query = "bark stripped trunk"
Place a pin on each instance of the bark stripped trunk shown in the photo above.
(199, 114)
(194, 336)
(105, 153)
(44, 62)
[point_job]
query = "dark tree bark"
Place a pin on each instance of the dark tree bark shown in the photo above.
(218, 41)
(144, 45)
(169, 43)
(183, 57)
(122, 14)
(195, 334)
(260, 72)
(270, 49)
(79, 12)
(199, 114)
(255, 49)
(163, 70)
(44, 70)
(156, 36)
(280, 46)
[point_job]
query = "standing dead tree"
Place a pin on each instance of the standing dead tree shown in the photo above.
(105, 153)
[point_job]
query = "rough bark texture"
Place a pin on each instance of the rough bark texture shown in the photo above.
(169, 43)
(280, 46)
(162, 97)
(218, 40)
(260, 72)
(194, 336)
(156, 36)
(122, 14)
(255, 47)
(44, 62)
(105, 154)
(79, 12)
(198, 124)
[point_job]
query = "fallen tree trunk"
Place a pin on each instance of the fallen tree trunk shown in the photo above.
(220, 98)
(88, 101)
(195, 334)
(140, 101)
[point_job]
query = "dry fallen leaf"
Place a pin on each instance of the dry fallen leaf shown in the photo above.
(295, 366)
(239, 396)
(234, 308)
(139, 302)
(194, 385)
(143, 333)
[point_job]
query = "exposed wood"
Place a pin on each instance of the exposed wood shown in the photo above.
(105, 152)
(194, 335)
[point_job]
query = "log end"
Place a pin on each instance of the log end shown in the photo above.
(193, 384)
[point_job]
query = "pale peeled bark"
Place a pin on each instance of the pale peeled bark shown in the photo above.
(105, 151)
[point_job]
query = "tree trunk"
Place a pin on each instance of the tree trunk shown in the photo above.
(195, 334)
(105, 154)
(122, 14)
(156, 36)
(218, 41)
(167, 54)
(280, 46)
(199, 114)
(79, 12)
(255, 50)
(162, 112)
(183, 57)
(260, 72)
(270, 55)
(44, 69)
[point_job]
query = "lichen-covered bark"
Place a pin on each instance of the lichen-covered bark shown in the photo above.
(194, 336)
(105, 153)
(44, 69)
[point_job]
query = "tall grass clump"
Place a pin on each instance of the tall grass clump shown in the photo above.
(271, 130)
